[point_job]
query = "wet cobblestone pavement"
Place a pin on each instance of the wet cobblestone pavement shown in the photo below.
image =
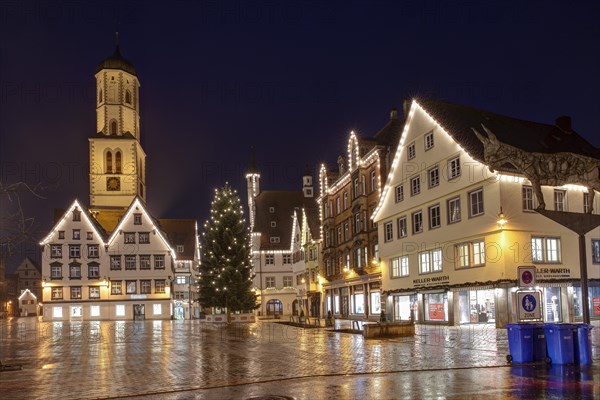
(195, 360)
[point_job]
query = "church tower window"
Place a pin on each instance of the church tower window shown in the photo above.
(108, 162)
(127, 97)
(118, 162)
(113, 127)
(100, 96)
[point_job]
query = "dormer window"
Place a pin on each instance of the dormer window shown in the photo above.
(274, 239)
(180, 248)
(272, 210)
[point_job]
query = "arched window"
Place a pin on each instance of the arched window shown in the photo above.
(113, 127)
(109, 168)
(274, 307)
(118, 162)
(100, 96)
(128, 97)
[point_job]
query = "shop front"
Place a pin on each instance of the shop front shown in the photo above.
(476, 305)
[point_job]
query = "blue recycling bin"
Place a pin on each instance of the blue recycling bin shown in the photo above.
(520, 342)
(559, 341)
(539, 343)
(582, 344)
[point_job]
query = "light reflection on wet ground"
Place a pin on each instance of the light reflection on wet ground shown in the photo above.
(190, 359)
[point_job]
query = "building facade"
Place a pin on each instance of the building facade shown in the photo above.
(277, 248)
(347, 200)
(453, 230)
(114, 260)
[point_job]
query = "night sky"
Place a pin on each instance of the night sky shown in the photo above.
(290, 78)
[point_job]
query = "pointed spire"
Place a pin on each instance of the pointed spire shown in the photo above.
(252, 168)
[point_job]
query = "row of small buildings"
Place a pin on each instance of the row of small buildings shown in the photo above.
(429, 219)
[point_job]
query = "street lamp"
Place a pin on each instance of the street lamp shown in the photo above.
(501, 219)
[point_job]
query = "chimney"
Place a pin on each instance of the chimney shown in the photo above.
(394, 113)
(564, 123)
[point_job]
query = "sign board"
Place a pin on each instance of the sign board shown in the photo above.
(529, 306)
(526, 276)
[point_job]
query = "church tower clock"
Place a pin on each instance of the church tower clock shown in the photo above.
(117, 159)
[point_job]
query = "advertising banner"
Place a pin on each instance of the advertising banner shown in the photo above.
(436, 312)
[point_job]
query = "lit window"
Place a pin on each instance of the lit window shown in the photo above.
(545, 249)
(157, 309)
(430, 261)
(57, 312)
(115, 287)
(399, 266)
(586, 203)
(94, 311)
(159, 286)
(471, 254)
(131, 287)
(120, 310)
(94, 292)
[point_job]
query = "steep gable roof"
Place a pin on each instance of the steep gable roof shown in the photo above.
(96, 227)
(283, 204)
(181, 232)
(458, 121)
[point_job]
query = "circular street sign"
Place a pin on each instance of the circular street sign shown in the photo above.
(529, 303)
(527, 277)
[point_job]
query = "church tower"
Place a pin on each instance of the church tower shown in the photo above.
(253, 186)
(117, 159)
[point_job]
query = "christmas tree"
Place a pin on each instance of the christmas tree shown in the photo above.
(225, 271)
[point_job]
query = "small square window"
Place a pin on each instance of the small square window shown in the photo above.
(61, 234)
(273, 224)
(272, 210)
(76, 234)
(89, 236)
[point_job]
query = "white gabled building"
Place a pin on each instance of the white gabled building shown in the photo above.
(114, 260)
(445, 254)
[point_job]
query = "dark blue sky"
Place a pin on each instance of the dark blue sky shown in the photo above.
(290, 77)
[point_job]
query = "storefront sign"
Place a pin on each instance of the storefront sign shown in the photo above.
(529, 306)
(432, 281)
(526, 276)
(436, 312)
(596, 304)
(553, 273)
